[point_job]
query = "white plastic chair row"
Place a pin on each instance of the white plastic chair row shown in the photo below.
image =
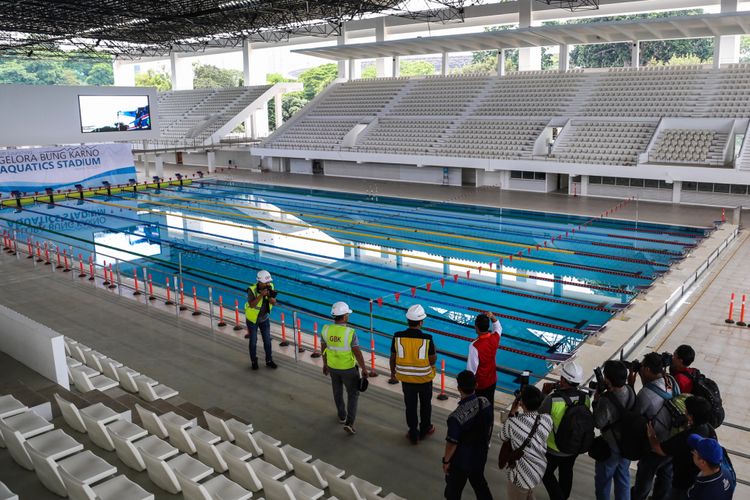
(6, 494)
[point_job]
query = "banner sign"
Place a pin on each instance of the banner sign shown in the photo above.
(32, 170)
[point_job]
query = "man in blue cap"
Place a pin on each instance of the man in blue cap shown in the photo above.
(714, 482)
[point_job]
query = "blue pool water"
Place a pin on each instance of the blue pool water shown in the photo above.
(562, 276)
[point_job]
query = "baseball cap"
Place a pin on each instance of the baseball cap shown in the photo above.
(416, 313)
(340, 308)
(572, 372)
(709, 449)
(264, 277)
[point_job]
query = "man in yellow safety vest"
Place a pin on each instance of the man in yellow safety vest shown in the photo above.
(260, 300)
(341, 354)
(413, 364)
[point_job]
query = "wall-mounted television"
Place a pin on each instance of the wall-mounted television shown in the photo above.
(114, 113)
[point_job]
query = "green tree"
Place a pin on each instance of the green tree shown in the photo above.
(12, 72)
(314, 80)
(370, 72)
(416, 68)
(745, 49)
(152, 78)
(100, 74)
(273, 78)
(208, 76)
(290, 104)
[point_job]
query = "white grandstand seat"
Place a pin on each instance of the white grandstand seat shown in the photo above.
(84, 419)
(213, 454)
(109, 368)
(246, 473)
(72, 362)
(274, 490)
(55, 444)
(117, 488)
(84, 466)
(28, 423)
(77, 351)
(129, 451)
(216, 487)
(94, 359)
(247, 442)
(162, 472)
(309, 473)
(389, 496)
(10, 406)
(342, 490)
(181, 435)
(150, 390)
(155, 423)
(262, 436)
(6, 494)
(127, 377)
(224, 428)
(278, 456)
(84, 383)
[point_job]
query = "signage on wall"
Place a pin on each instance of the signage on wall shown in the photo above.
(32, 170)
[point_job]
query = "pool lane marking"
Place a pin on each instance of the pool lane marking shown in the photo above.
(636, 275)
(369, 248)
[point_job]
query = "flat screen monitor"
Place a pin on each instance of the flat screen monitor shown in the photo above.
(114, 113)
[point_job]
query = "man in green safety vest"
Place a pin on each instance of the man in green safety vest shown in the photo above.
(260, 300)
(341, 354)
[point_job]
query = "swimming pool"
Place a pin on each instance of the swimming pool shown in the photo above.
(553, 279)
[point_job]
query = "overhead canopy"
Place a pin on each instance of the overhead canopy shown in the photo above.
(695, 26)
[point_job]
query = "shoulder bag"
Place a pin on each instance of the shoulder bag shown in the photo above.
(508, 456)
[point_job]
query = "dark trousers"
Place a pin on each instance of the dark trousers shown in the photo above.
(349, 379)
(455, 481)
(489, 393)
(265, 332)
(651, 467)
(418, 394)
(559, 488)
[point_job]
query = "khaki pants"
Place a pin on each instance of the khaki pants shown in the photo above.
(516, 493)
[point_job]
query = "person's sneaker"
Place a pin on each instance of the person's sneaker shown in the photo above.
(271, 364)
(342, 420)
(255, 365)
(349, 428)
(412, 439)
(428, 432)
(247, 336)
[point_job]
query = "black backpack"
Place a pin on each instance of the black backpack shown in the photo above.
(633, 442)
(575, 434)
(707, 389)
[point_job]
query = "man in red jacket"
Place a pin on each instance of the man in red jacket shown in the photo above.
(482, 353)
(680, 369)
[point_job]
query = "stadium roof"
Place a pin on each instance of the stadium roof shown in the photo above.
(693, 26)
(145, 27)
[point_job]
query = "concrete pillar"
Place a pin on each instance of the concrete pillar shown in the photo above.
(250, 124)
(676, 191)
(584, 185)
(211, 155)
(396, 65)
(444, 70)
(635, 54)
(247, 53)
(355, 72)
(500, 62)
(529, 58)
(182, 72)
(341, 40)
(381, 66)
(278, 110)
(124, 73)
(357, 252)
(563, 58)
(159, 161)
(727, 48)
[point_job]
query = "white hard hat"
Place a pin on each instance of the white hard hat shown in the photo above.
(264, 277)
(572, 372)
(340, 308)
(416, 313)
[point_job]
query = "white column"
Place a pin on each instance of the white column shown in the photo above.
(676, 191)
(341, 40)
(500, 62)
(354, 69)
(727, 48)
(278, 110)
(159, 161)
(445, 64)
(396, 64)
(563, 58)
(182, 72)
(211, 156)
(584, 185)
(529, 58)
(381, 65)
(635, 54)
(247, 53)
(124, 73)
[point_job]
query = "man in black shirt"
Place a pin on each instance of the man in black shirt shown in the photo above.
(467, 442)
(698, 411)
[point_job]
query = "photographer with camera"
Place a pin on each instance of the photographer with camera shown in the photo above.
(573, 429)
(612, 400)
(658, 388)
(524, 448)
(679, 367)
(261, 298)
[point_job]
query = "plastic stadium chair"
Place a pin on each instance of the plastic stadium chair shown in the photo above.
(91, 419)
(151, 391)
(117, 488)
(247, 473)
(276, 456)
(216, 487)
(6, 494)
(86, 384)
(342, 489)
(309, 473)
(127, 377)
(181, 435)
(84, 466)
(274, 490)
(214, 455)
(224, 428)
(10, 406)
(130, 451)
(28, 423)
(247, 442)
(55, 444)
(155, 423)
(162, 473)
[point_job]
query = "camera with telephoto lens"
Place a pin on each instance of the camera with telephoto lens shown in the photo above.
(523, 380)
(272, 293)
(598, 384)
(634, 366)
